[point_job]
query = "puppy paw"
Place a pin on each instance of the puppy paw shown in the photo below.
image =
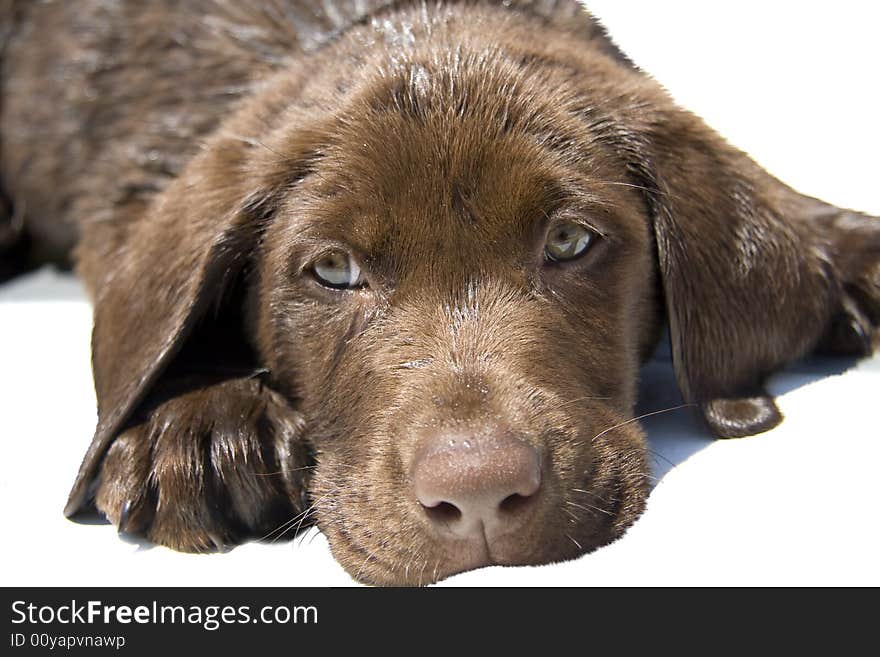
(741, 416)
(207, 468)
(854, 329)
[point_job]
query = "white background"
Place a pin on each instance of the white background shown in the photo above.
(793, 83)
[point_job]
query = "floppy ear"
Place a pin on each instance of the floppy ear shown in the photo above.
(178, 261)
(754, 274)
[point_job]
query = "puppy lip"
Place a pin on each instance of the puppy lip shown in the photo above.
(386, 573)
(460, 555)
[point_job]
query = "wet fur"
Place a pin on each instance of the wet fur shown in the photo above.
(202, 153)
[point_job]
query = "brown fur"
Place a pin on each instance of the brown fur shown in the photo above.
(202, 154)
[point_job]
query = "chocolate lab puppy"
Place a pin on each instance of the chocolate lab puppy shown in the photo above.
(391, 267)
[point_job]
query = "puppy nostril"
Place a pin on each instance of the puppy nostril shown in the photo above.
(513, 503)
(444, 512)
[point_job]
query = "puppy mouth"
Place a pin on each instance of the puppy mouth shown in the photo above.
(385, 565)
(398, 548)
(480, 548)
(380, 566)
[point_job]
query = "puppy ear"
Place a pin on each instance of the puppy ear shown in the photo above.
(754, 274)
(177, 262)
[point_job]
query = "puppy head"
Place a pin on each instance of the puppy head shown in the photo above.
(454, 265)
(459, 306)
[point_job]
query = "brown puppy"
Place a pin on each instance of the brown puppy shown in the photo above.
(392, 267)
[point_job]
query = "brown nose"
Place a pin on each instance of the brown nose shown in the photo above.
(476, 486)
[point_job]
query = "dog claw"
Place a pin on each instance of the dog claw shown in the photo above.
(124, 515)
(219, 544)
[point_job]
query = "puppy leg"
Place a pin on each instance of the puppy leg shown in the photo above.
(207, 468)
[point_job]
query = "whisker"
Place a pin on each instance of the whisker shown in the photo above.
(422, 571)
(315, 534)
(588, 507)
(307, 532)
(588, 492)
(279, 472)
(285, 526)
(252, 141)
(659, 455)
(640, 417)
(370, 555)
(311, 510)
(623, 184)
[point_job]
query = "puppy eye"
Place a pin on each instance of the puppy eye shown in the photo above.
(568, 241)
(337, 270)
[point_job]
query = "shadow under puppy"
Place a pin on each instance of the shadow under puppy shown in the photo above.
(392, 268)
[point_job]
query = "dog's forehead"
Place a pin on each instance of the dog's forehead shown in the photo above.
(409, 189)
(458, 162)
(449, 189)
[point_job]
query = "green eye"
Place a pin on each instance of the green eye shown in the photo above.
(337, 270)
(567, 241)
